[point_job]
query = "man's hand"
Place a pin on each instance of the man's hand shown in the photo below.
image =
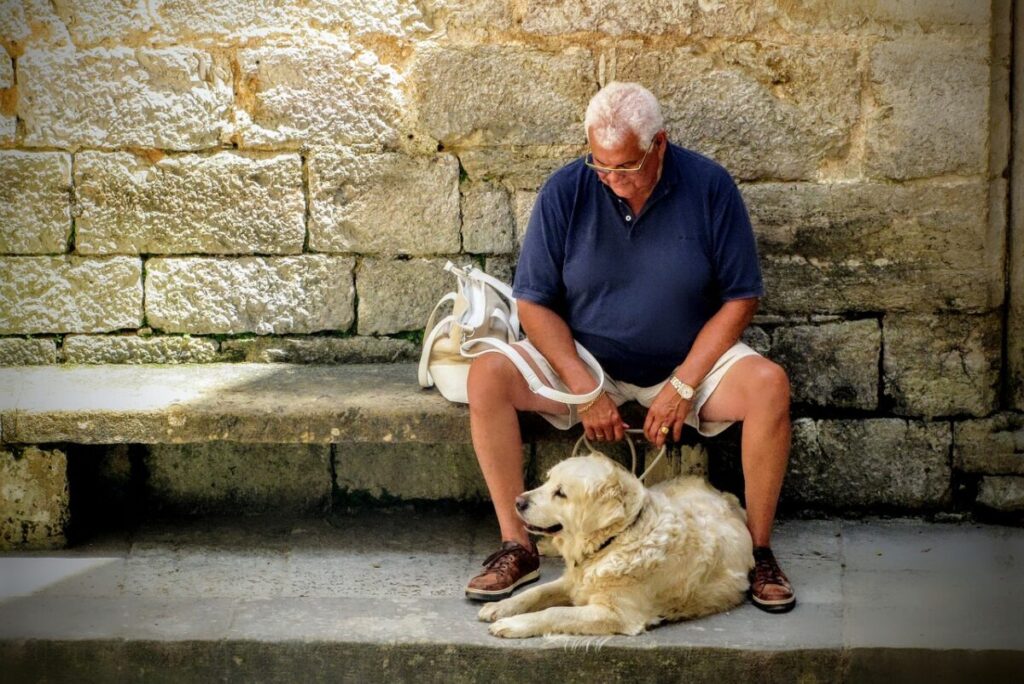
(602, 421)
(667, 410)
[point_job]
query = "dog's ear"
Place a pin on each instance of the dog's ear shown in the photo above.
(619, 499)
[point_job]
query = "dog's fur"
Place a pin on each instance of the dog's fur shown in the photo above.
(679, 550)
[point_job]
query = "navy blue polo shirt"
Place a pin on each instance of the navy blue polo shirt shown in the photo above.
(636, 290)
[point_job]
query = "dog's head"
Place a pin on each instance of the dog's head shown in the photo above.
(585, 501)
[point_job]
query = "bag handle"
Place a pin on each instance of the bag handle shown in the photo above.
(537, 386)
(422, 373)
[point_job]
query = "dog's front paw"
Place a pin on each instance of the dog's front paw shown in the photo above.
(512, 628)
(500, 609)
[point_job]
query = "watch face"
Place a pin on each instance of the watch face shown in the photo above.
(687, 393)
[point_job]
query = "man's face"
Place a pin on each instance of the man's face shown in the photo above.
(629, 154)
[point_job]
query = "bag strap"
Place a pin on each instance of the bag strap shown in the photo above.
(632, 451)
(536, 385)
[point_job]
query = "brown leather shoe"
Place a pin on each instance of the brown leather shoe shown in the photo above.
(511, 566)
(770, 589)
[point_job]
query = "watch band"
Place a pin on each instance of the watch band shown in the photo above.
(684, 390)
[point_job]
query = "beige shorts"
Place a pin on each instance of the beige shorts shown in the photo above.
(621, 392)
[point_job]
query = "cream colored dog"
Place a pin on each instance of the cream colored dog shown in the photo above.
(634, 557)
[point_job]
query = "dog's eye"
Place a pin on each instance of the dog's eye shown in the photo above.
(559, 493)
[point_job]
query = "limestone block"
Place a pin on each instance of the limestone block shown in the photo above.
(410, 472)
(991, 445)
(501, 267)
(136, 349)
(90, 21)
(69, 294)
(874, 464)
(35, 202)
(939, 365)
(881, 16)
(173, 98)
(320, 350)
(227, 21)
(1002, 493)
(224, 203)
(488, 226)
(385, 203)
(272, 295)
(931, 115)
(835, 364)
(761, 110)
(298, 95)
(523, 167)
(399, 295)
(471, 18)
(872, 246)
(518, 95)
(230, 477)
(524, 200)
(8, 122)
(644, 17)
(33, 499)
(31, 23)
(27, 352)
(758, 339)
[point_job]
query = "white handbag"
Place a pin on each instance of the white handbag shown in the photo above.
(484, 319)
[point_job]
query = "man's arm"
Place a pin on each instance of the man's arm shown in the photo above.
(550, 334)
(720, 332)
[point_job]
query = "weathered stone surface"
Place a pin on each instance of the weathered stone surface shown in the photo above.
(298, 95)
(644, 17)
(273, 295)
(320, 350)
(840, 247)
(410, 472)
(880, 16)
(13, 25)
(931, 115)
(862, 464)
(228, 477)
(501, 267)
(942, 365)
(31, 23)
(399, 295)
(383, 203)
(523, 167)
(27, 352)
(757, 339)
(135, 349)
(519, 96)
(835, 364)
(225, 203)
(243, 402)
(33, 499)
(991, 445)
(8, 122)
(762, 110)
(524, 200)
(173, 98)
(225, 21)
(69, 294)
(488, 226)
(35, 202)
(1002, 493)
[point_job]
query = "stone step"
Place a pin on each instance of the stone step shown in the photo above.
(377, 596)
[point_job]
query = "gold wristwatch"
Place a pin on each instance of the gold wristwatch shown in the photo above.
(685, 391)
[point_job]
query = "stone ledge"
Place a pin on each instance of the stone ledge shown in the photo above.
(195, 403)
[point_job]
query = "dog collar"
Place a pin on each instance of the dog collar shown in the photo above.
(612, 538)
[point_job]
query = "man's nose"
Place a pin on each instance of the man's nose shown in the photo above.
(522, 503)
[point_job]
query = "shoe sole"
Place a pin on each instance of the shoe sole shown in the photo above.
(776, 606)
(499, 594)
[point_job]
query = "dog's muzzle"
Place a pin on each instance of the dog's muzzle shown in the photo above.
(522, 503)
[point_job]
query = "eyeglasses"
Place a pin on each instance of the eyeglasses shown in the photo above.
(604, 170)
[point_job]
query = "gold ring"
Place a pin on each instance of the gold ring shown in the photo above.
(664, 429)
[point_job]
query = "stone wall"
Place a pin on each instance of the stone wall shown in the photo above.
(194, 181)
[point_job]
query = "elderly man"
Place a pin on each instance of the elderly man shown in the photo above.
(643, 252)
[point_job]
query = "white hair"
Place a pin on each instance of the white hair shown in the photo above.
(619, 109)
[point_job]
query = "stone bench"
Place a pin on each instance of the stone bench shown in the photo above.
(251, 437)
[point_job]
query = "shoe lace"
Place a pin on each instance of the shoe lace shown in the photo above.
(766, 568)
(501, 559)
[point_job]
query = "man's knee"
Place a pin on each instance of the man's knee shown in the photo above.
(771, 382)
(489, 378)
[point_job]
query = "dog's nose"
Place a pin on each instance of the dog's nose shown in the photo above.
(522, 503)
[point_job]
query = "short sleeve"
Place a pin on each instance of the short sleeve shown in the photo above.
(539, 270)
(737, 269)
